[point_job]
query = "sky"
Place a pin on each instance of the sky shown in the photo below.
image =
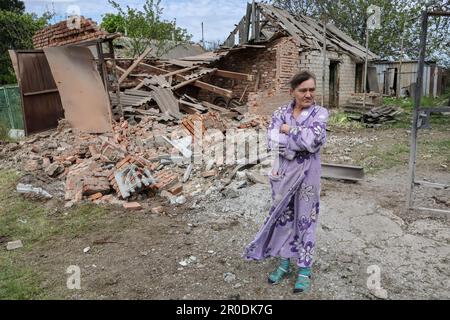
(218, 16)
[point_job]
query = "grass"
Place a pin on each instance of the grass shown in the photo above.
(406, 104)
(340, 120)
(34, 224)
(389, 156)
(379, 159)
(4, 136)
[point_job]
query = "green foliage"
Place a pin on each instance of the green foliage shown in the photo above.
(12, 5)
(17, 30)
(399, 18)
(113, 23)
(145, 27)
(340, 120)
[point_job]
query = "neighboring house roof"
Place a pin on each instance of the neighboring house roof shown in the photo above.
(307, 32)
(171, 49)
(398, 61)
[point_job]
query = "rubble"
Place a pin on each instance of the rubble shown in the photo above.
(13, 245)
(132, 206)
(28, 189)
(377, 116)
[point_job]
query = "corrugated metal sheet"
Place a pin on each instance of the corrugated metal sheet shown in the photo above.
(386, 73)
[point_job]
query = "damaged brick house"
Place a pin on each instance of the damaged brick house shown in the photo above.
(272, 45)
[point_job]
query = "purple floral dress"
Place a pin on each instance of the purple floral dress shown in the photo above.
(289, 230)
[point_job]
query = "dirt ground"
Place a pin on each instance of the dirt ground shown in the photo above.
(137, 255)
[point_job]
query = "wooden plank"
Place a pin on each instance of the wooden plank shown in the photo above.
(257, 24)
(234, 75)
(153, 67)
(184, 83)
(253, 37)
(214, 107)
(241, 31)
(247, 22)
(193, 105)
(40, 112)
(179, 71)
(135, 64)
(214, 89)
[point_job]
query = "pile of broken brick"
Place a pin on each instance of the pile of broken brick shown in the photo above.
(126, 167)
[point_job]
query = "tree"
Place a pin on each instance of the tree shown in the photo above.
(12, 5)
(17, 32)
(145, 28)
(400, 18)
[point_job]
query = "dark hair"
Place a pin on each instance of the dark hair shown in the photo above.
(300, 77)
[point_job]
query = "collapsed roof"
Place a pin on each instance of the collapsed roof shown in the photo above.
(264, 23)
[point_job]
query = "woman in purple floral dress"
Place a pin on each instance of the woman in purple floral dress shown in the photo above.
(296, 134)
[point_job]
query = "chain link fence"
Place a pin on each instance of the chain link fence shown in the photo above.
(11, 115)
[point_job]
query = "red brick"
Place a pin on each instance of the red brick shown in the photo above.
(132, 206)
(209, 173)
(157, 210)
(176, 189)
(96, 196)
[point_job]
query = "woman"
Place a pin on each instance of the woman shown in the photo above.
(297, 132)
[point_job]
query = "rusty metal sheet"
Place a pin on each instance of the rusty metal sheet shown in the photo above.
(84, 98)
(342, 172)
(41, 103)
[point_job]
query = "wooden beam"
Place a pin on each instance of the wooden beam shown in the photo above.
(214, 107)
(214, 89)
(248, 17)
(134, 65)
(184, 83)
(179, 71)
(253, 37)
(234, 75)
(154, 68)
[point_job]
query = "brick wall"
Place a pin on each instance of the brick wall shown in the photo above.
(272, 69)
(313, 61)
(59, 34)
(259, 62)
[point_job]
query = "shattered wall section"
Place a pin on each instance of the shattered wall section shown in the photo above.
(261, 63)
(60, 34)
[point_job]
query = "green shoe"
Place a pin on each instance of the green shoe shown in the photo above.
(303, 280)
(282, 271)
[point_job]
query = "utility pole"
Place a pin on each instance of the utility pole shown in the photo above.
(399, 78)
(373, 22)
(365, 69)
(324, 52)
(203, 38)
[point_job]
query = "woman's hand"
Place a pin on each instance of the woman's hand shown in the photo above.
(284, 129)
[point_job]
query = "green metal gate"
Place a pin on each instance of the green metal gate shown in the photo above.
(11, 114)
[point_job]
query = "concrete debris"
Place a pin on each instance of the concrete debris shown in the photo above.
(229, 277)
(13, 245)
(188, 261)
(54, 169)
(29, 189)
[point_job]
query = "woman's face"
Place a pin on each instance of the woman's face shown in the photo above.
(305, 93)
